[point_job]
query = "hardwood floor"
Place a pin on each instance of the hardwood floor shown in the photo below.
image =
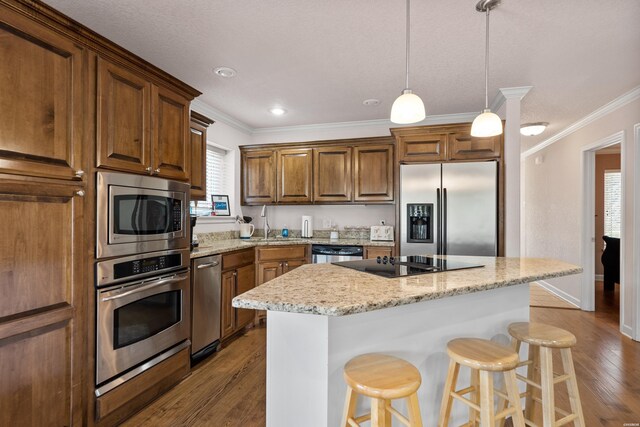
(228, 389)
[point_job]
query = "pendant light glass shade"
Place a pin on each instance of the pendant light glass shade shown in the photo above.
(486, 124)
(407, 108)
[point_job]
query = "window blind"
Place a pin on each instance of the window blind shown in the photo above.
(612, 203)
(216, 183)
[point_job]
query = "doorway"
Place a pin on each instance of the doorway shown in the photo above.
(603, 163)
(607, 214)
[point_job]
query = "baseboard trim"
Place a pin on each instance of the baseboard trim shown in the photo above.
(559, 293)
(599, 277)
(626, 331)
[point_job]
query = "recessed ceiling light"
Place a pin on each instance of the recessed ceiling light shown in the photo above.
(277, 111)
(533, 129)
(225, 72)
(371, 102)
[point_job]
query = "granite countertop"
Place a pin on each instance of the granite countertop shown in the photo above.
(331, 290)
(222, 246)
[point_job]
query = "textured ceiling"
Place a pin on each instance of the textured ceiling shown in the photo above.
(321, 59)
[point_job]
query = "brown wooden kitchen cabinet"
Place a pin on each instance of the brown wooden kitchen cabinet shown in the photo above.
(332, 178)
(238, 277)
(43, 326)
(373, 173)
(294, 167)
(463, 146)
(258, 177)
(439, 143)
(42, 90)
(275, 261)
(142, 127)
(198, 134)
(372, 252)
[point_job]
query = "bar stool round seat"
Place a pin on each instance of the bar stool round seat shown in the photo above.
(382, 378)
(482, 354)
(542, 335)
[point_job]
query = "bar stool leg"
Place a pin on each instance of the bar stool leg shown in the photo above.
(349, 406)
(487, 412)
(548, 400)
(413, 407)
(387, 414)
(447, 400)
(378, 413)
(533, 374)
(514, 397)
(502, 403)
(572, 385)
(474, 396)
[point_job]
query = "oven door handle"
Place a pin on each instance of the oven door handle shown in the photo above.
(155, 283)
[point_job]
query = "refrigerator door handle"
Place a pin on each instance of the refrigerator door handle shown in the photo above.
(438, 222)
(444, 221)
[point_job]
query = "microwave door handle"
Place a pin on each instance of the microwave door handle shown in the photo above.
(438, 221)
(154, 284)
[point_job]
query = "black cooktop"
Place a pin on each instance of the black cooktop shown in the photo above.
(405, 265)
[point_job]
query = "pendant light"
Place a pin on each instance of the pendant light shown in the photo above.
(408, 107)
(487, 123)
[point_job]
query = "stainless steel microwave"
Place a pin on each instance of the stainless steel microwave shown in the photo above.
(137, 214)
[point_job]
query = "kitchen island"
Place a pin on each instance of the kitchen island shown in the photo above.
(319, 316)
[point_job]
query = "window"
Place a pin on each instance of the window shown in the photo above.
(612, 203)
(216, 179)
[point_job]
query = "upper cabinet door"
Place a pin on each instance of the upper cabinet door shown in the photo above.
(463, 146)
(373, 173)
(198, 162)
(124, 114)
(171, 153)
(258, 177)
(41, 100)
(294, 175)
(421, 147)
(332, 176)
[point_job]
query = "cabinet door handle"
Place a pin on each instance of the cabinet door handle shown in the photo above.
(79, 173)
(80, 193)
(235, 273)
(148, 169)
(157, 170)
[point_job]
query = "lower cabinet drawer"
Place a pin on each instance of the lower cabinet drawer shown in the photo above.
(280, 253)
(122, 402)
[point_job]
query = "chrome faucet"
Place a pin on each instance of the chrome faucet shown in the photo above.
(263, 214)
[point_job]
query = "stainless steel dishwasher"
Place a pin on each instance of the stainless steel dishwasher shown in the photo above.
(206, 300)
(321, 254)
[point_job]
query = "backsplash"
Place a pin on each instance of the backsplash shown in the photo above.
(349, 232)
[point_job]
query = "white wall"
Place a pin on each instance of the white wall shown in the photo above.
(553, 195)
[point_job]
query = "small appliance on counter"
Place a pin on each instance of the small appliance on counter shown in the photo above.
(307, 226)
(382, 233)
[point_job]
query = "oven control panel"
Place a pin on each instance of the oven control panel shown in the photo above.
(135, 267)
(145, 265)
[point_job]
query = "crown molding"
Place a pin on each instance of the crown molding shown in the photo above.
(609, 107)
(505, 93)
(220, 117)
(429, 120)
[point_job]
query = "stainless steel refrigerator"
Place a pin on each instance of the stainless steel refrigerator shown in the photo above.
(449, 209)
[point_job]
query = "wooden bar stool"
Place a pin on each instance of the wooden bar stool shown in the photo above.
(382, 378)
(540, 375)
(484, 357)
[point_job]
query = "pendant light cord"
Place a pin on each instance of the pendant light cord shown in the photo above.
(486, 65)
(408, 40)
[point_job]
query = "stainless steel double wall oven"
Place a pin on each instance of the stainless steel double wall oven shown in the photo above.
(142, 274)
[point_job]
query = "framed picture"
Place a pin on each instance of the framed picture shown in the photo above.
(220, 205)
